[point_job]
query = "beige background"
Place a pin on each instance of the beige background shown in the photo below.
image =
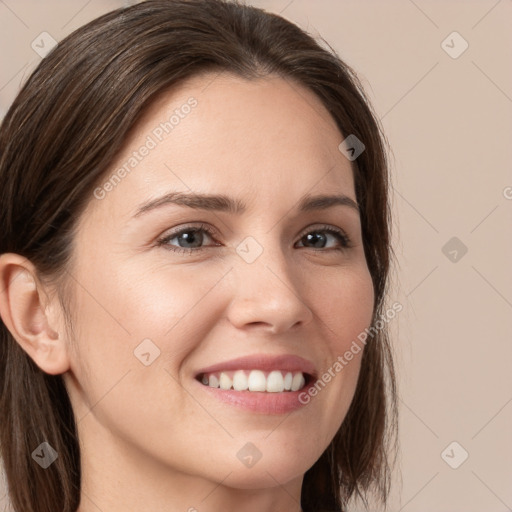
(449, 122)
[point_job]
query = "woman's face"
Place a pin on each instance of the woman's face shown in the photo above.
(177, 297)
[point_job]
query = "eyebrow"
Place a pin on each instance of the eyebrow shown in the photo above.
(223, 203)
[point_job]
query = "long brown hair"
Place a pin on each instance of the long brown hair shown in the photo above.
(59, 138)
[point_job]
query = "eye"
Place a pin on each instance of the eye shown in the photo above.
(319, 237)
(190, 239)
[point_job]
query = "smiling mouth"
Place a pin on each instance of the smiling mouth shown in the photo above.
(275, 381)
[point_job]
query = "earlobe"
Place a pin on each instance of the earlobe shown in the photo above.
(24, 310)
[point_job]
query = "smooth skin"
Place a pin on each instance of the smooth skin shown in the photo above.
(151, 438)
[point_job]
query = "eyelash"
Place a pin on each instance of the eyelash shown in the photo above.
(164, 241)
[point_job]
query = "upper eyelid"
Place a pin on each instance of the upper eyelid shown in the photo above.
(202, 227)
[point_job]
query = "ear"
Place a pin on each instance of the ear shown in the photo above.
(29, 314)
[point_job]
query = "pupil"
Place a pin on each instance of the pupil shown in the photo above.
(192, 236)
(315, 239)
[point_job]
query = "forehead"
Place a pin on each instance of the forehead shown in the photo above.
(260, 138)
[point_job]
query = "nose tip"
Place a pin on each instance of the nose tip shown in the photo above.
(267, 294)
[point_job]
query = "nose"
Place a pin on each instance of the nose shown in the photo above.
(269, 294)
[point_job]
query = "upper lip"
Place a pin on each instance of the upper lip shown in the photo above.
(263, 362)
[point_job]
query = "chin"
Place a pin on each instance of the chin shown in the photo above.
(264, 476)
(272, 469)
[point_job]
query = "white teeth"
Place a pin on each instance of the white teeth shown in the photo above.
(240, 382)
(288, 381)
(298, 381)
(224, 381)
(257, 381)
(275, 381)
(213, 381)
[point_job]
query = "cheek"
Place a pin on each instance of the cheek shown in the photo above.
(345, 311)
(347, 307)
(124, 306)
(164, 296)
(136, 327)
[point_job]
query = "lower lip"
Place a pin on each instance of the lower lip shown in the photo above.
(261, 402)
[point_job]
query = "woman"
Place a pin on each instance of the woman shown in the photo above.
(194, 257)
